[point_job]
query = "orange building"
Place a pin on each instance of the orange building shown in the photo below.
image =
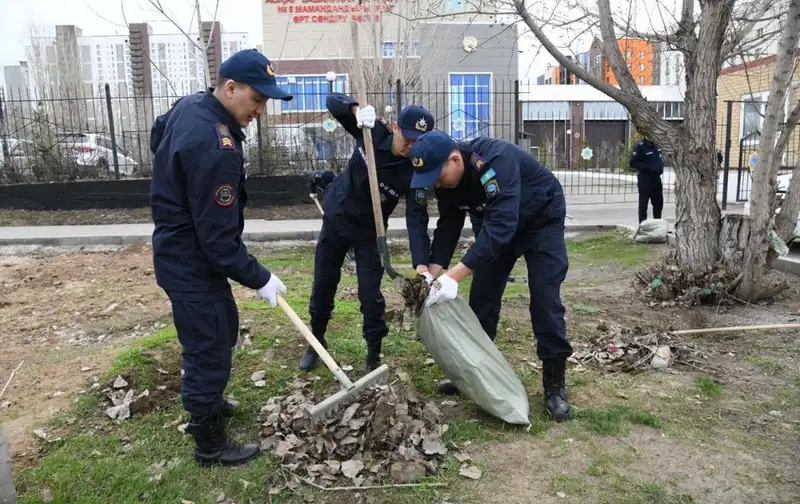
(640, 55)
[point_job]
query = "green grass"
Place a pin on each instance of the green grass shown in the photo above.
(767, 365)
(707, 386)
(611, 422)
(613, 247)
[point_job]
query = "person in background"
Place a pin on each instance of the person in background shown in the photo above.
(648, 162)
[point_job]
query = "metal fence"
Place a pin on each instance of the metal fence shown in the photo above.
(104, 134)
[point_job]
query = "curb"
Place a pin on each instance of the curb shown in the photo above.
(257, 237)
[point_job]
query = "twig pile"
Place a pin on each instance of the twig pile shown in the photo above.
(390, 432)
(622, 350)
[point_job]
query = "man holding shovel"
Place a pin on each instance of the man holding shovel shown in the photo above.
(349, 221)
(522, 210)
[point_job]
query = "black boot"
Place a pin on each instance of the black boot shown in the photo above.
(228, 407)
(373, 360)
(310, 358)
(446, 387)
(555, 394)
(214, 447)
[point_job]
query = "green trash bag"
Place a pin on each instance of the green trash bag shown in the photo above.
(461, 348)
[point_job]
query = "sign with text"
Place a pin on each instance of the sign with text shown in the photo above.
(330, 11)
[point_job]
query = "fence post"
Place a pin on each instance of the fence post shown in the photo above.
(113, 133)
(517, 112)
(3, 134)
(727, 160)
(399, 97)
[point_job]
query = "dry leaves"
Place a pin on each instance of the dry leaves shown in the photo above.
(390, 434)
(635, 350)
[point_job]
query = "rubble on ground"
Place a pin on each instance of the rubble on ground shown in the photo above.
(390, 434)
(618, 349)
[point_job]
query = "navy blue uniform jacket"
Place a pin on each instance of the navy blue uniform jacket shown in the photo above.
(646, 157)
(197, 201)
(502, 185)
(347, 199)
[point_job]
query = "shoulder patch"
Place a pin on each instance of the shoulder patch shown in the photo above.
(225, 138)
(477, 161)
(421, 196)
(224, 195)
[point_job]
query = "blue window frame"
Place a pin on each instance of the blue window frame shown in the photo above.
(470, 105)
(309, 91)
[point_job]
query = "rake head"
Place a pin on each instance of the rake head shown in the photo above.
(332, 404)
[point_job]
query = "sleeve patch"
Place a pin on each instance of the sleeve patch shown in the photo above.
(421, 195)
(224, 195)
(225, 138)
(491, 187)
(489, 175)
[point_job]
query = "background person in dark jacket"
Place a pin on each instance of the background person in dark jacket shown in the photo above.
(648, 162)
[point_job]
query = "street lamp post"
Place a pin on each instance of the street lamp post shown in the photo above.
(331, 76)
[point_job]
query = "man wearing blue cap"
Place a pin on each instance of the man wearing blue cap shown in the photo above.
(349, 220)
(197, 203)
(521, 210)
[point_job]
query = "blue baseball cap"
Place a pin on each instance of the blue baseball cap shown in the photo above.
(249, 66)
(428, 155)
(414, 121)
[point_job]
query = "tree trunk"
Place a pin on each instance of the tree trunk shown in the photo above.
(7, 493)
(766, 172)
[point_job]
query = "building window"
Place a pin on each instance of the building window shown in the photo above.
(753, 109)
(470, 105)
(641, 80)
(641, 54)
(389, 49)
(641, 67)
(309, 91)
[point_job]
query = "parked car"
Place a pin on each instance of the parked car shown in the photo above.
(93, 149)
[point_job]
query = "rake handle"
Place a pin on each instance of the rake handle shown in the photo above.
(315, 344)
(316, 200)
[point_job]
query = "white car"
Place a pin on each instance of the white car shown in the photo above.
(93, 149)
(783, 187)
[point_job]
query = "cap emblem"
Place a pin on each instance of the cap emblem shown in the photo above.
(422, 125)
(417, 162)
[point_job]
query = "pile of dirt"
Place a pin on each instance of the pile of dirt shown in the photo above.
(390, 434)
(616, 349)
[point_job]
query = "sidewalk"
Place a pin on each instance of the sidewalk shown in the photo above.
(582, 217)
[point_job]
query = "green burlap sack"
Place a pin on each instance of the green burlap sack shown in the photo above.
(462, 349)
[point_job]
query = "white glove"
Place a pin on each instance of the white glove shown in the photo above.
(365, 117)
(428, 277)
(270, 291)
(447, 290)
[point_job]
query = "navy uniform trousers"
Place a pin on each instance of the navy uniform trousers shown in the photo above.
(335, 239)
(208, 329)
(541, 241)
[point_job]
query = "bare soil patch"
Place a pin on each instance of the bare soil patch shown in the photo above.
(64, 316)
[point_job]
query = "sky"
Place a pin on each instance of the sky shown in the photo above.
(105, 17)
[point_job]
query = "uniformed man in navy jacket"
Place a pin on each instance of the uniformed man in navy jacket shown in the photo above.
(349, 220)
(648, 162)
(197, 202)
(521, 210)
